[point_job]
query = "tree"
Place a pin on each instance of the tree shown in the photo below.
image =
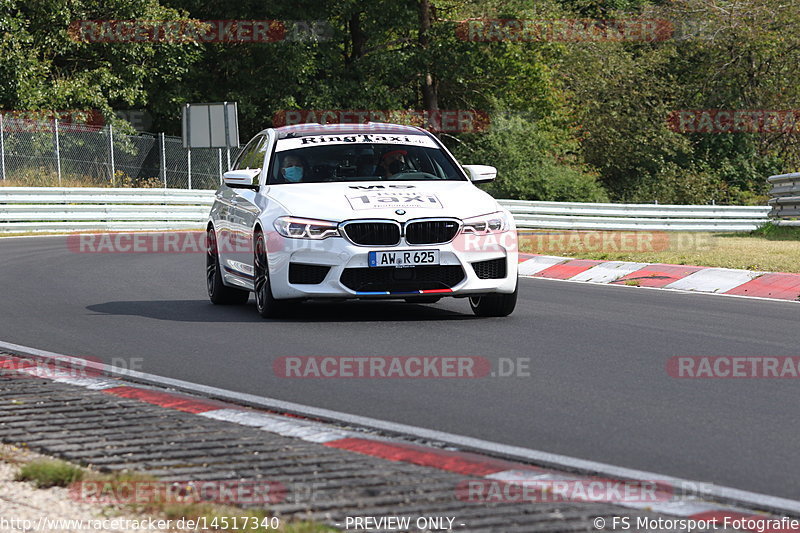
(43, 65)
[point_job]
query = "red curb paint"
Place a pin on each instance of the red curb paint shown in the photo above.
(165, 399)
(658, 275)
(466, 463)
(7, 361)
(774, 285)
(568, 269)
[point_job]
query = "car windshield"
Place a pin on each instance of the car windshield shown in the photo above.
(336, 158)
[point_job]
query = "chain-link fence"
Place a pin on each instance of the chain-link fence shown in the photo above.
(49, 154)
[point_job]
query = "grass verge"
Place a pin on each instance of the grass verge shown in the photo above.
(38, 177)
(46, 473)
(770, 248)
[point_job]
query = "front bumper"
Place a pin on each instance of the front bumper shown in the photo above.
(348, 273)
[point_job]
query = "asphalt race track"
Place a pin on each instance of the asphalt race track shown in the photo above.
(598, 387)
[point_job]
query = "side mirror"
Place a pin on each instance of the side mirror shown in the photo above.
(242, 178)
(480, 173)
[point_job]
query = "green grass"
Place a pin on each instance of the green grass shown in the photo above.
(211, 512)
(37, 177)
(770, 248)
(44, 473)
(772, 232)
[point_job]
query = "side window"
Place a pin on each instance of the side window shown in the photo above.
(260, 152)
(257, 157)
(249, 155)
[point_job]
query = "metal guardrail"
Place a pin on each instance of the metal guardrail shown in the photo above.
(635, 217)
(785, 199)
(40, 209)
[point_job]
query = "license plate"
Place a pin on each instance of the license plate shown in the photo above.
(404, 258)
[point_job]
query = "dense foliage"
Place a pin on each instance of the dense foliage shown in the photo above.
(570, 119)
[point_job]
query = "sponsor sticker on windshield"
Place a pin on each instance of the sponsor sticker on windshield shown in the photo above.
(358, 138)
(392, 199)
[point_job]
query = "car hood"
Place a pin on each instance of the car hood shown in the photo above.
(381, 199)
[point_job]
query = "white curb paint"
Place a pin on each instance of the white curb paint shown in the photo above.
(287, 427)
(537, 264)
(462, 443)
(62, 375)
(708, 280)
(679, 504)
(608, 272)
(714, 280)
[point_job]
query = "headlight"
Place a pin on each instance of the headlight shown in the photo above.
(305, 228)
(492, 223)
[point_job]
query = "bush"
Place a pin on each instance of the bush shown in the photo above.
(772, 232)
(673, 184)
(529, 166)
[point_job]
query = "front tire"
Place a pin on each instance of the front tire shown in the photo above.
(494, 304)
(218, 292)
(266, 304)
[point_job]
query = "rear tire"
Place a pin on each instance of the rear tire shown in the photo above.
(266, 304)
(218, 292)
(494, 304)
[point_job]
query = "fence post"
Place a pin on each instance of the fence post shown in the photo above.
(111, 155)
(3, 146)
(219, 153)
(163, 159)
(228, 151)
(58, 150)
(189, 165)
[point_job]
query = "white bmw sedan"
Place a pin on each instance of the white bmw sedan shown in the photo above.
(358, 211)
